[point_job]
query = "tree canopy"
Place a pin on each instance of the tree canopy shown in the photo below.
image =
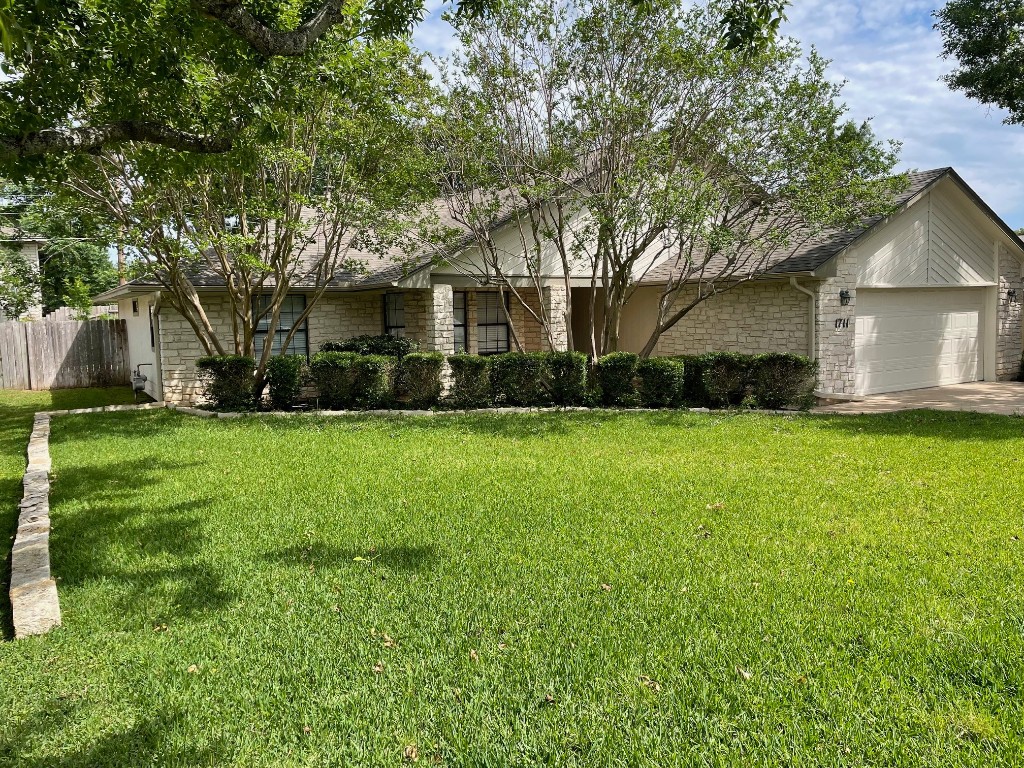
(81, 75)
(986, 38)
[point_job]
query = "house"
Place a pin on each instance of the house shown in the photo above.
(929, 295)
(29, 247)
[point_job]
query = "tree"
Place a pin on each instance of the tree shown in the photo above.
(328, 172)
(19, 283)
(68, 257)
(617, 152)
(82, 75)
(986, 37)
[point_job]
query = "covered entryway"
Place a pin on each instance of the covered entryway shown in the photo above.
(909, 339)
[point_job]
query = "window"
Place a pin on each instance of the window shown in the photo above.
(291, 308)
(394, 314)
(491, 324)
(459, 305)
(135, 307)
(152, 330)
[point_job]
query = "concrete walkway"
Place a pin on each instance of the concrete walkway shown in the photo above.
(1001, 397)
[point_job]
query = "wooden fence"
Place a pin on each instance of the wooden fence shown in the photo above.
(60, 354)
(67, 313)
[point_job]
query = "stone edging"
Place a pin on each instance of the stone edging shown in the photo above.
(35, 607)
(205, 414)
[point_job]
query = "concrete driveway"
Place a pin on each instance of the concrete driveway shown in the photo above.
(1002, 397)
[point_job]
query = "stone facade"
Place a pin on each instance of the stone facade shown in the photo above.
(835, 331)
(1008, 318)
(751, 319)
(429, 319)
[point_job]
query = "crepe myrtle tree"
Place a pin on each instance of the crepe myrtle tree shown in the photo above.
(614, 152)
(328, 174)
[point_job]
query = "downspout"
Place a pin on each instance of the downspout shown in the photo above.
(812, 351)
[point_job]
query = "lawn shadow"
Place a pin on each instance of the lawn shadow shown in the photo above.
(143, 743)
(319, 555)
(939, 425)
(151, 554)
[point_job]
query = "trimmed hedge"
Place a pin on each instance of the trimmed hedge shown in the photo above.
(614, 373)
(779, 379)
(517, 378)
(659, 382)
(332, 374)
(567, 377)
(419, 379)
(389, 346)
(229, 381)
(725, 375)
(471, 385)
(373, 381)
(284, 376)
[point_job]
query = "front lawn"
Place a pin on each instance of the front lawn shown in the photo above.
(16, 410)
(642, 589)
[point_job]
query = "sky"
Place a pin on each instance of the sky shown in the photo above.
(890, 58)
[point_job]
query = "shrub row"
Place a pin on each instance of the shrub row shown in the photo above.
(346, 379)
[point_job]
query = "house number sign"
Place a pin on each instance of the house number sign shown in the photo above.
(842, 322)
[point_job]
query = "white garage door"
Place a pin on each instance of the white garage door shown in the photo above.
(908, 339)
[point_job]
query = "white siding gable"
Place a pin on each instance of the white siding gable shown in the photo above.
(943, 239)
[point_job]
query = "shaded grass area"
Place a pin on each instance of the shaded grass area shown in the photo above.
(16, 410)
(577, 589)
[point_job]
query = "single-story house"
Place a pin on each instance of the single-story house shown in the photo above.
(927, 296)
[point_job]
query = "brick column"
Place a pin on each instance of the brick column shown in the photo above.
(555, 300)
(439, 320)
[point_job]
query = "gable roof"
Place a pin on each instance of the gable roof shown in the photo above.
(813, 254)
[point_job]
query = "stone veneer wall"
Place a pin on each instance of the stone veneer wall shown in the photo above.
(751, 319)
(837, 372)
(530, 332)
(1010, 341)
(335, 317)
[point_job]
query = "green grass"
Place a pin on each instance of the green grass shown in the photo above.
(16, 410)
(584, 589)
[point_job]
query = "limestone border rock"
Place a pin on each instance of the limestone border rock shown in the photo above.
(35, 606)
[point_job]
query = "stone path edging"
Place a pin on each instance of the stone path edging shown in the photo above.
(35, 607)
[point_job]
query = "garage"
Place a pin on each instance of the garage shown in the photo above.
(908, 339)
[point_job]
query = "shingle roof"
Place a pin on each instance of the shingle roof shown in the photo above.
(816, 251)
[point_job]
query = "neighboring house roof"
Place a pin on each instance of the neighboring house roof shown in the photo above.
(814, 253)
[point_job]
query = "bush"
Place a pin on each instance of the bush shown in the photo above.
(724, 376)
(419, 378)
(284, 375)
(567, 377)
(614, 373)
(693, 394)
(517, 378)
(659, 382)
(229, 381)
(776, 380)
(373, 381)
(389, 346)
(471, 386)
(332, 374)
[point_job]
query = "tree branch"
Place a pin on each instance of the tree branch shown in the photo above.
(93, 138)
(266, 40)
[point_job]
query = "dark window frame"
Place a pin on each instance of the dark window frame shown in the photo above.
(387, 314)
(502, 322)
(464, 325)
(260, 336)
(152, 329)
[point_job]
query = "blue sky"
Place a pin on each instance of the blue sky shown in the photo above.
(889, 56)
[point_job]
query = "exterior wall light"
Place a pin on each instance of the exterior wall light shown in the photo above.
(1011, 295)
(844, 297)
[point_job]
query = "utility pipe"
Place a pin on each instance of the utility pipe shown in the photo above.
(812, 351)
